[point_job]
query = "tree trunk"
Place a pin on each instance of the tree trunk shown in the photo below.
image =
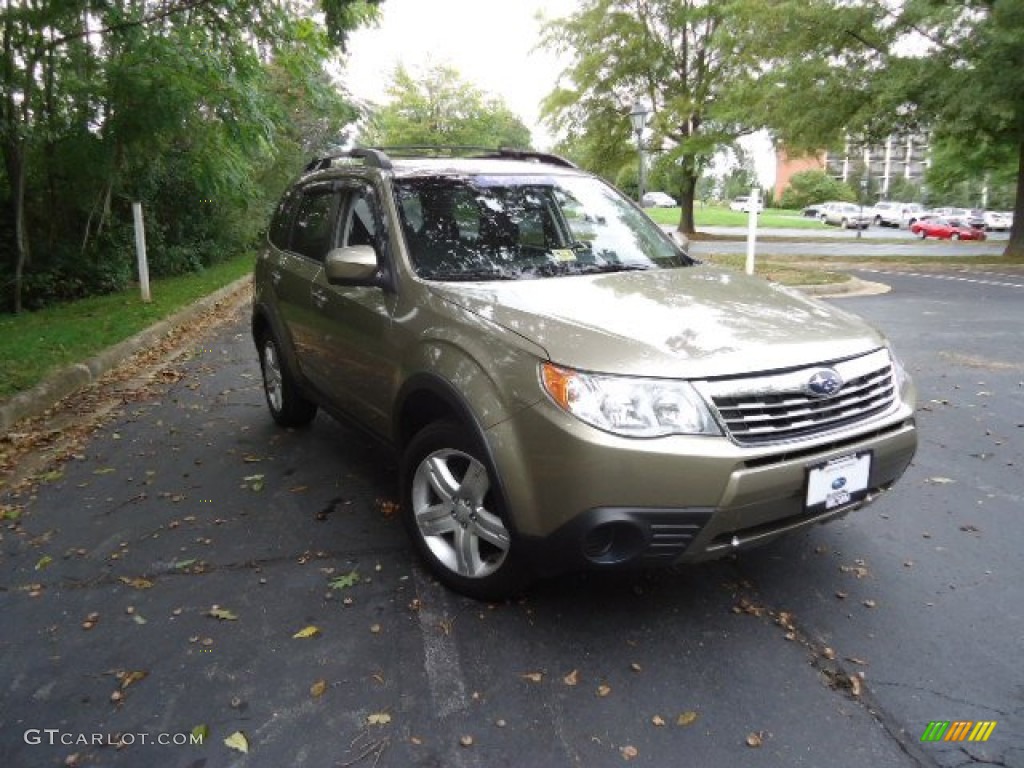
(687, 192)
(14, 162)
(1015, 247)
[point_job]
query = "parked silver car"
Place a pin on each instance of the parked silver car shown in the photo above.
(847, 216)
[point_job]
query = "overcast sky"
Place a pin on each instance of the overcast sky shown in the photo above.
(490, 42)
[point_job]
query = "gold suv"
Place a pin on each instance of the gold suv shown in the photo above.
(565, 387)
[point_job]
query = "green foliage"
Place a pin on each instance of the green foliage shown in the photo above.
(814, 186)
(200, 111)
(689, 62)
(438, 107)
(905, 190)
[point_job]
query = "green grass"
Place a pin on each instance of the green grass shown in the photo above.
(721, 216)
(33, 344)
(779, 271)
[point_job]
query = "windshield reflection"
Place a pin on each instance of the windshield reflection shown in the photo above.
(483, 228)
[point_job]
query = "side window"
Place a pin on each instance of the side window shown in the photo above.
(281, 223)
(361, 222)
(313, 232)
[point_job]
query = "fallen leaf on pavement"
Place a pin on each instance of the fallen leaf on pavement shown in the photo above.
(310, 631)
(658, 720)
(127, 678)
(137, 583)
(629, 752)
(689, 717)
(237, 741)
(603, 690)
(378, 718)
(350, 579)
(572, 678)
(755, 739)
(533, 677)
(316, 690)
(223, 614)
(200, 732)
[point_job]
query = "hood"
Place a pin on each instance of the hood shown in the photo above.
(693, 322)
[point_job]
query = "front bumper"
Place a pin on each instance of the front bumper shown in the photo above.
(588, 499)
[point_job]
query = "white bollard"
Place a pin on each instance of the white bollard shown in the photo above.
(140, 252)
(755, 203)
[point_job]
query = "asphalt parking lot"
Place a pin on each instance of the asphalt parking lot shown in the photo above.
(191, 571)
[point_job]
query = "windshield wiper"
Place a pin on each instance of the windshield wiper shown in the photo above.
(469, 275)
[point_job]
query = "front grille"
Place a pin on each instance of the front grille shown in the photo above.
(774, 408)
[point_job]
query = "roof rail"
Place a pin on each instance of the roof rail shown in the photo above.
(380, 157)
(529, 154)
(371, 157)
(433, 150)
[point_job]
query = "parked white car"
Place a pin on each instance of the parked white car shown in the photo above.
(658, 200)
(998, 221)
(888, 213)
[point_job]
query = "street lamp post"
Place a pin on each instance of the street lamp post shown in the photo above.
(638, 118)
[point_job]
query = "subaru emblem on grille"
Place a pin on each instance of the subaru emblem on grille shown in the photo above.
(824, 383)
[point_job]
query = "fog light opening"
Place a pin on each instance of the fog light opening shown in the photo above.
(613, 543)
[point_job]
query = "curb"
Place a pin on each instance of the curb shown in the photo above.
(852, 287)
(67, 381)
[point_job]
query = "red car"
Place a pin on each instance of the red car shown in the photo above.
(945, 229)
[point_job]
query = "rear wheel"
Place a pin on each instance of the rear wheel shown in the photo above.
(287, 406)
(454, 513)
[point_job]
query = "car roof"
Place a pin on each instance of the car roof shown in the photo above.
(444, 161)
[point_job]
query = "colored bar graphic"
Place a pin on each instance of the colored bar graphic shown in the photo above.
(982, 731)
(958, 730)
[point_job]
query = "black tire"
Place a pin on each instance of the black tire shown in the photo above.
(955, 236)
(845, 224)
(453, 510)
(923, 234)
(287, 405)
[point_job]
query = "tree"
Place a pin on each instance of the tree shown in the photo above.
(976, 48)
(814, 186)
(439, 108)
(101, 100)
(951, 68)
(689, 60)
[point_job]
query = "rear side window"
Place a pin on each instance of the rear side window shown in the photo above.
(281, 223)
(313, 231)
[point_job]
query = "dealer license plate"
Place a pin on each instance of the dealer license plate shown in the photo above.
(838, 482)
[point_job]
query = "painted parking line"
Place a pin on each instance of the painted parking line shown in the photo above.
(952, 278)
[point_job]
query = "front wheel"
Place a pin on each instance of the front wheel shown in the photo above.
(454, 513)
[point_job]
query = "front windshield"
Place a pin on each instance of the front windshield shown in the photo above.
(518, 227)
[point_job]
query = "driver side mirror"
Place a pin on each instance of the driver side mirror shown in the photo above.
(352, 265)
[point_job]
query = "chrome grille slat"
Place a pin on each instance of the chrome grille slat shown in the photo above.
(769, 408)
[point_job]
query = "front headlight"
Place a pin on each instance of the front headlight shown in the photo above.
(633, 407)
(901, 379)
